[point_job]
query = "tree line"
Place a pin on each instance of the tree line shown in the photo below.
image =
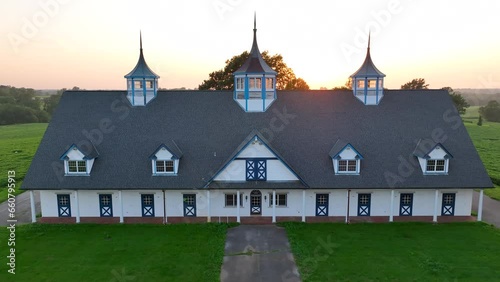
(22, 105)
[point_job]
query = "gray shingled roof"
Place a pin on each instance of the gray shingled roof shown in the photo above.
(302, 126)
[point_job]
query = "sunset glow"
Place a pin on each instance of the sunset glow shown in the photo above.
(51, 44)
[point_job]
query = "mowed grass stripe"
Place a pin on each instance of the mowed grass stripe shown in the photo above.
(396, 251)
(85, 252)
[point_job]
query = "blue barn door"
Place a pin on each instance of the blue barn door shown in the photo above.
(321, 204)
(448, 206)
(189, 205)
(63, 206)
(105, 205)
(255, 202)
(148, 205)
(364, 204)
(405, 204)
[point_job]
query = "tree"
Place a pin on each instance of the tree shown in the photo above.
(50, 103)
(223, 79)
(457, 98)
(491, 112)
(346, 86)
(480, 121)
(417, 83)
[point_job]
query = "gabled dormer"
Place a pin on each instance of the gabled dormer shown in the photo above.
(346, 159)
(255, 81)
(78, 161)
(254, 160)
(142, 82)
(368, 81)
(434, 158)
(165, 159)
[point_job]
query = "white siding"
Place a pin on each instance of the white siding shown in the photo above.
(163, 154)
(75, 154)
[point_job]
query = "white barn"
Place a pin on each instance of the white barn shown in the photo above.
(255, 154)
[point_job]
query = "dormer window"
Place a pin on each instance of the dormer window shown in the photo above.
(432, 157)
(436, 165)
(347, 166)
(79, 161)
(269, 84)
(138, 84)
(77, 166)
(165, 166)
(346, 159)
(165, 159)
(255, 83)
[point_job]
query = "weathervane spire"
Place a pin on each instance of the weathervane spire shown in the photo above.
(369, 34)
(254, 21)
(140, 38)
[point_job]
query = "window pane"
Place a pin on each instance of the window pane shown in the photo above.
(281, 199)
(147, 200)
(364, 199)
(230, 200)
(342, 165)
(72, 166)
(169, 166)
(431, 165)
(160, 166)
(137, 84)
(440, 165)
(351, 165)
(361, 83)
(269, 83)
(258, 83)
(251, 82)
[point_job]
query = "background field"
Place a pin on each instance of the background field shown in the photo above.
(18, 144)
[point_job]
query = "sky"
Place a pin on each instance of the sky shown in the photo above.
(92, 44)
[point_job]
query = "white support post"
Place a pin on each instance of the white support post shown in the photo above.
(77, 207)
(274, 206)
(304, 205)
(391, 211)
(238, 206)
(120, 199)
(32, 202)
(347, 207)
(480, 206)
(436, 202)
(208, 207)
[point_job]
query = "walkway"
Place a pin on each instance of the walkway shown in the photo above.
(491, 209)
(23, 209)
(258, 253)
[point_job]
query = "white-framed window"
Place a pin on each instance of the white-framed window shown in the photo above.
(347, 166)
(165, 166)
(436, 166)
(76, 166)
(281, 199)
(138, 84)
(240, 83)
(372, 83)
(255, 83)
(361, 83)
(231, 199)
(149, 84)
(269, 83)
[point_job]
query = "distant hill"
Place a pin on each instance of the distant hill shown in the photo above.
(479, 97)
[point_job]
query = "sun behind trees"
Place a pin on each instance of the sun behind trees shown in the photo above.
(224, 80)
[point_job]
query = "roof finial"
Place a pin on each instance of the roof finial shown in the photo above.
(140, 38)
(369, 33)
(254, 21)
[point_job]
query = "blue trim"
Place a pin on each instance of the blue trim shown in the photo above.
(448, 209)
(376, 92)
(244, 147)
(364, 210)
(144, 89)
(133, 92)
(246, 93)
(148, 210)
(355, 84)
(337, 155)
(235, 87)
(105, 210)
(322, 209)
(63, 210)
(263, 92)
(405, 209)
(162, 145)
(64, 156)
(189, 209)
(366, 88)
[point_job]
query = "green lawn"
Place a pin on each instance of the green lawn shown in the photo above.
(486, 139)
(18, 144)
(396, 251)
(84, 252)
